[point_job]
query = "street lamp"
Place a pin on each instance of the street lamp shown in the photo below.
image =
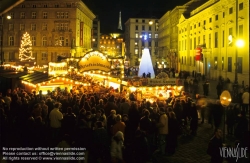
(225, 100)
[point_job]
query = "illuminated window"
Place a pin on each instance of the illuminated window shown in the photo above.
(215, 63)
(11, 40)
(33, 40)
(156, 35)
(149, 35)
(44, 27)
(58, 15)
(33, 15)
(136, 43)
(62, 15)
(66, 15)
(22, 27)
(61, 39)
(136, 35)
(22, 15)
(33, 27)
(45, 15)
(136, 51)
(44, 41)
(44, 56)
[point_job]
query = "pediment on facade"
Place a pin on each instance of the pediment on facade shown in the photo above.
(182, 18)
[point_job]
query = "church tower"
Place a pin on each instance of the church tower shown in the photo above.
(120, 21)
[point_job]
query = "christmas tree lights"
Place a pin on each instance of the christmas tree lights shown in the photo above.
(25, 51)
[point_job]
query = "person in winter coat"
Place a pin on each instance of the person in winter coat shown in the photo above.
(116, 150)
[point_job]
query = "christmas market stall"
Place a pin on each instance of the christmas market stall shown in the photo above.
(156, 89)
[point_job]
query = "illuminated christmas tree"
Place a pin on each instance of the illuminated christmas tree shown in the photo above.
(25, 51)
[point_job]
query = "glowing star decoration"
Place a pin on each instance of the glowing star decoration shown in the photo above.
(25, 51)
(146, 65)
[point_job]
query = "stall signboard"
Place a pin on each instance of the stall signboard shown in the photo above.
(57, 68)
(167, 81)
(94, 60)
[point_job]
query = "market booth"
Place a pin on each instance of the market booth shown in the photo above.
(154, 89)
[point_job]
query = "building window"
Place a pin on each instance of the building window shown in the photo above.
(185, 44)
(11, 40)
(143, 27)
(230, 10)
(66, 42)
(216, 39)
(33, 40)
(66, 27)
(149, 28)
(209, 41)
(216, 17)
(61, 40)
(215, 63)
(223, 38)
(182, 60)
(23, 6)
(194, 26)
(22, 15)
(241, 31)
(204, 40)
(12, 15)
(22, 27)
(156, 43)
(11, 56)
(143, 20)
(149, 35)
(222, 63)
(223, 14)
(136, 27)
(239, 67)
(229, 66)
(149, 43)
(56, 5)
(136, 20)
(199, 40)
(194, 61)
(34, 6)
(11, 27)
(136, 35)
(45, 5)
(210, 20)
(191, 46)
(156, 35)
(194, 42)
(136, 43)
(44, 27)
(58, 15)
(204, 22)
(62, 15)
(44, 56)
(230, 32)
(44, 41)
(45, 15)
(241, 6)
(66, 15)
(33, 27)
(33, 15)
(136, 51)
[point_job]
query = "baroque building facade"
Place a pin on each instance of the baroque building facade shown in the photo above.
(56, 29)
(141, 33)
(211, 31)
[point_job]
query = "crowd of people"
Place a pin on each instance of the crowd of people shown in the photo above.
(131, 131)
(110, 126)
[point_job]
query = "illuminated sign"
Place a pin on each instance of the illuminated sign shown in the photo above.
(167, 81)
(94, 61)
(57, 68)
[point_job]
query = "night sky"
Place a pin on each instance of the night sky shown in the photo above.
(108, 10)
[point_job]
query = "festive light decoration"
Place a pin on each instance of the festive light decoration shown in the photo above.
(146, 64)
(25, 51)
